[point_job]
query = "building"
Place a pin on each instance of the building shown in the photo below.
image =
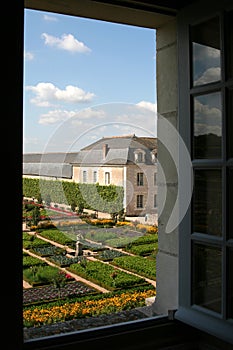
(127, 161)
(194, 269)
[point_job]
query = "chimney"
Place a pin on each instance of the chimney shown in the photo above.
(105, 150)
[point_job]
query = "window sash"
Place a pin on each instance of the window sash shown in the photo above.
(139, 201)
(140, 179)
(216, 323)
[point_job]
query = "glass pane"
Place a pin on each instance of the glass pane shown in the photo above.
(230, 124)
(229, 44)
(230, 203)
(230, 284)
(207, 277)
(207, 202)
(205, 39)
(207, 126)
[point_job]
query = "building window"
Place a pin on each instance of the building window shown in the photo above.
(139, 179)
(139, 156)
(107, 178)
(94, 176)
(155, 201)
(155, 184)
(153, 156)
(207, 229)
(139, 201)
(84, 176)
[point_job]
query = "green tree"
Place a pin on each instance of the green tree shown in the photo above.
(59, 280)
(35, 215)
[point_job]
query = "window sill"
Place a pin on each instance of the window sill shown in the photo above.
(221, 330)
(154, 332)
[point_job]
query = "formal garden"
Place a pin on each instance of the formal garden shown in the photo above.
(77, 265)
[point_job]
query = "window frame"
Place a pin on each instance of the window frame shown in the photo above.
(155, 201)
(95, 176)
(144, 334)
(204, 319)
(155, 178)
(107, 178)
(140, 179)
(139, 201)
(84, 176)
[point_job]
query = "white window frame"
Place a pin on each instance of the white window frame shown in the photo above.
(107, 178)
(95, 176)
(84, 176)
(204, 319)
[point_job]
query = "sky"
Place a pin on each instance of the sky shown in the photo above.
(86, 79)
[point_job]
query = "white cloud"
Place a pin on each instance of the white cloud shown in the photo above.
(67, 42)
(47, 94)
(76, 129)
(28, 56)
(210, 75)
(203, 52)
(55, 116)
(75, 118)
(204, 111)
(31, 140)
(88, 113)
(147, 105)
(204, 129)
(142, 116)
(73, 94)
(207, 119)
(50, 18)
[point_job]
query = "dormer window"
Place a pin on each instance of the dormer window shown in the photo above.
(139, 156)
(153, 156)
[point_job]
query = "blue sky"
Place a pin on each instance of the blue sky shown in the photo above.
(85, 79)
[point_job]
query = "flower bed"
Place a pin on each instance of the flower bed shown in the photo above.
(49, 292)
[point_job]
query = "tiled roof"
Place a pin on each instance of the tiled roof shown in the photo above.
(119, 150)
(128, 141)
(53, 157)
(59, 170)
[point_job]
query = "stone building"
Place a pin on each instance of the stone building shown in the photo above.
(127, 161)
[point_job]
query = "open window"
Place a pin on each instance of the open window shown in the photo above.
(113, 154)
(151, 333)
(205, 111)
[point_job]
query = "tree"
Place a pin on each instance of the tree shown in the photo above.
(35, 215)
(48, 200)
(59, 280)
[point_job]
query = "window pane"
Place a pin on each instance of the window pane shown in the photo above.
(230, 203)
(230, 284)
(230, 124)
(139, 179)
(95, 176)
(107, 178)
(207, 277)
(84, 176)
(207, 126)
(139, 201)
(229, 45)
(207, 202)
(205, 39)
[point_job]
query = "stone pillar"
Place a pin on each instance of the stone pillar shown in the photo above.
(167, 180)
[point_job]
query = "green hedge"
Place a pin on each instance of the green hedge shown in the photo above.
(108, 199)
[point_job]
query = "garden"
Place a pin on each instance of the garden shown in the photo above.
(119, 257)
